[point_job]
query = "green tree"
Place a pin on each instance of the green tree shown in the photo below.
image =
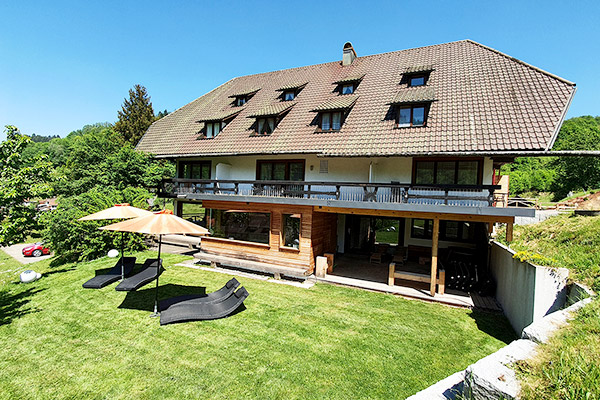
(18, 184)
(72, 240)
(577, 173)
(136, 115)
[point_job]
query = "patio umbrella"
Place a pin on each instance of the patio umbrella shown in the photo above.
(118, 211)
(159, 223)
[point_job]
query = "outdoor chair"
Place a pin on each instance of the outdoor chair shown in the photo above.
(113, 275)
(214, 297)
(150, 270)
(194, 311)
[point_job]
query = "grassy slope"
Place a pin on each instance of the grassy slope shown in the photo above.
(572, 242)
(567, 367)
(60, 341)
(9, 268)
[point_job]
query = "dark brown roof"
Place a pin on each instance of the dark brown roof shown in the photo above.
(337, 103)
(486, 101)
(292, 86)
(273, 109)
(414, 95)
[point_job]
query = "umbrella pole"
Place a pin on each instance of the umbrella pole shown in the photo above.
(122, 257)
(156, 312)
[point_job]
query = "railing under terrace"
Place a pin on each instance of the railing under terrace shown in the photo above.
(451, 195)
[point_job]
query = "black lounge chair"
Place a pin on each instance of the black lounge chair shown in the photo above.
(113, 275)
(149, 272)
(190, 311)
(214, 297)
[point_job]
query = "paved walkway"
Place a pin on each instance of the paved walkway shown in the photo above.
(15, 251)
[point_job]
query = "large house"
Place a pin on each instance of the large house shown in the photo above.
(388, 157)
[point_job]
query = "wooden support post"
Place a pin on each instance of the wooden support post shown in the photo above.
(434, 255)
(490, 227)
(442, 281)
(391, 274)
(329, 257)
(509, 232)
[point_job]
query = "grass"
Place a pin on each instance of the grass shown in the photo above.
(9, 268)
(565, 240)
(60, 341)
(567, 367)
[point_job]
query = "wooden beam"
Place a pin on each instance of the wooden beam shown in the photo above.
(434, 255)
(416, 214)
(509, 232)
(490, 227)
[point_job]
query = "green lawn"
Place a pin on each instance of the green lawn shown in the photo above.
(60, 341)
(9, 268)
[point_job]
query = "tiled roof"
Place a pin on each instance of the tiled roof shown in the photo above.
(419, 68)
(219, 115)
(485, 101)
(414, 95)
(291, 86)
(337, 103)
(273, 109)
(244, 92)
(351, 78)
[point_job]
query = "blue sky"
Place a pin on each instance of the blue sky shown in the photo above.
(67, 64)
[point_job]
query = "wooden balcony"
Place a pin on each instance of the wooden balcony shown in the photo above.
(313, 193)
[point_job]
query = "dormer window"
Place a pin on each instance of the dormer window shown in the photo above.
(265, 126)
(242, 97)
(215, 122)
(290, 91)
(331, 121)
(417, 80)
(333, 112)
(411, 115)
(289, 95)
(213, 129)
(348, 89)
(349, 84)
(268, 117)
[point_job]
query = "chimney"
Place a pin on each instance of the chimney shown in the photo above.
(349, 54)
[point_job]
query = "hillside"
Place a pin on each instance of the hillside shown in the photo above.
(563, 241)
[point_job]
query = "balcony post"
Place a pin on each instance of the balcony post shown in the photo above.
(434, 255)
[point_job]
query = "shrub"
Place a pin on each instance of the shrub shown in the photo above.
(74, 240)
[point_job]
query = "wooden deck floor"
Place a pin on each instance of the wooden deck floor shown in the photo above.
(356, 270)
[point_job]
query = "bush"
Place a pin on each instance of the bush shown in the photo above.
(74, 240)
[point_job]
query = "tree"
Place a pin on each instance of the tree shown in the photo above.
(136, 115)
(18, 184)
(576, 173)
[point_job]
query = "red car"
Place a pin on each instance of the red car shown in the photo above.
(35, 250)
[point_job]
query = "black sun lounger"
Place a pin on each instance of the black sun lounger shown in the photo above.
(190, 311)
(148, 273)
(113, 275)
(214, 297)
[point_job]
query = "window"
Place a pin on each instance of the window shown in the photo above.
(447, 172)
(451, 231)
(236, 225)
(195, 170)
(241, 100)
(331, 121)
(265, 126)
(291, 230)
(213, 129)
(289, 95)
(411, 116)
(416, 80)
(280, 170)
(348, 89)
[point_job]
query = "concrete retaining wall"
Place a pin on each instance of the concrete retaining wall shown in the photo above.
(526, 292)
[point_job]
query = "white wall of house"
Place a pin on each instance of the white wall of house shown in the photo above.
(359, 169)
